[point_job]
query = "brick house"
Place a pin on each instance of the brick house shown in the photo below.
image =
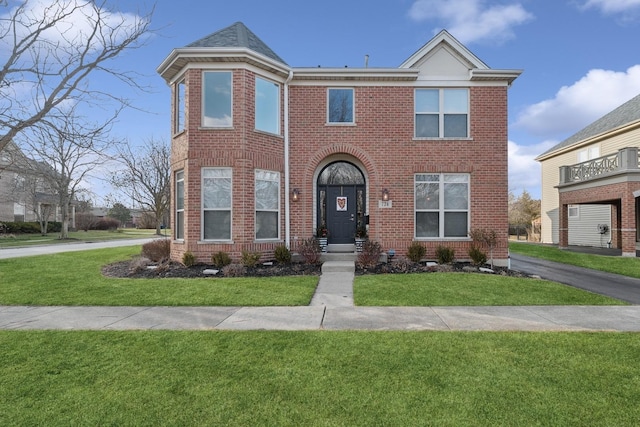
(265, 154)
(591, 184)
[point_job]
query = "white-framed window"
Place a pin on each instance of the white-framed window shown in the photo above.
(179, 218)
(574, 211)
(588, 153)
(180, 104)
(441, 205)
(441, 113)
(267, 106)
(216, 203)
(217, 99)
(267, 192)
(340, 106)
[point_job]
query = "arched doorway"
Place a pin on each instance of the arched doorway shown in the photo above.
(341, 201)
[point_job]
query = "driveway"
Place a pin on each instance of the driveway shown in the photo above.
(614, 285)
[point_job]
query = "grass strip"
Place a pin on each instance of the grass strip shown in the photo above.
(158, 378)
(75, 278)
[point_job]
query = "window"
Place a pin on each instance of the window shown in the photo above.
(267, 106)
(441, 205)
(340, 106)
(180, 107)
(216, 203)
(179, 219)
(588, 154)
(441, 113)
(574, 211)
(216, 99)
(267, 204)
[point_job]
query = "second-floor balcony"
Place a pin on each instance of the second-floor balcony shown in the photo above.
(624, 161)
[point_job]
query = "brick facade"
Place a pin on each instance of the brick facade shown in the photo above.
(380, 143)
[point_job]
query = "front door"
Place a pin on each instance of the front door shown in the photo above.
(341, 214)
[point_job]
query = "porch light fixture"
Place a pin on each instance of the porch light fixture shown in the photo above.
(385, 195)
(295, 195)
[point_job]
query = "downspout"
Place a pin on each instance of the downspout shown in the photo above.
(287, 214)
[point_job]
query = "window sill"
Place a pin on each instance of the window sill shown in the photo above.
(276, 240)
(267, 133)
(175, 135)
(205, 128)
(351, 124)
(419, 138)
(215, 242)
(441, 239)
(178, 241)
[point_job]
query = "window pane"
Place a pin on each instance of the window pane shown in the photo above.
(180, 107)
(456, 196)
(266, 225)
(427, 126)
(427, 101)
(216, 193)
(340, 105)
(267, 106)
(341, 173)
(455, 125)
(455, 224)
(217, 225)
(427, 224)
(180, 195)
(217, 99)
(179, 225)
(456, 101)
(427, 195)
(267, 195)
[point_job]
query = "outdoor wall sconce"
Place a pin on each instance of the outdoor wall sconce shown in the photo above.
(296, 195)
(385, 195)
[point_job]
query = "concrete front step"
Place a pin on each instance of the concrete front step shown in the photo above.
(338, 267)
(332, 256)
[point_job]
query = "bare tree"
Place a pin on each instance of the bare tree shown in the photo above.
(49, 48)
(145, 177)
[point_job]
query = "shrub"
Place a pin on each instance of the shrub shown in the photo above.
(477, 255)
(234, 270)
(139, 264)
(220, 259)
(309, 249)
(487, 238)
(157, 250)
(282, 254)
(250, 259)
(370, 255)
(106, 223)
(188, 259)
(416, 252)
(445, 255)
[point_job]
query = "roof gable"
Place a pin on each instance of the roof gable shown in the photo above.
(625, 114)
(236, 36)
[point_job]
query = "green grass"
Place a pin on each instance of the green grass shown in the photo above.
(19, 240)
(74, 278)
(467, 289)
(161, 378)
(626, 266)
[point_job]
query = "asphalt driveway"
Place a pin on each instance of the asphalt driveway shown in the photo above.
(614, 285)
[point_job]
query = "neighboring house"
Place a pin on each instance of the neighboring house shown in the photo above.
(22, 190)
(591, 184)
(264, 154)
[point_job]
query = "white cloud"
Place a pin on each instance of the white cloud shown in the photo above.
(524, 170)
(472, 20)
(613, 6)
(576, 106)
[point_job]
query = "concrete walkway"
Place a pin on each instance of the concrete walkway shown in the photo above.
(331, 309)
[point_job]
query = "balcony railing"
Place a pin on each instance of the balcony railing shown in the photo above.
(625, 160)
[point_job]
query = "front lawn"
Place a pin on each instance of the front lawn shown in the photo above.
(162, 378)
(75, 278)
(626, 266)
(467, 289)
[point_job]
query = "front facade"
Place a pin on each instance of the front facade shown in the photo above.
(591, 184)
(264, 154)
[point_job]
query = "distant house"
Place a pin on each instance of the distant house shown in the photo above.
(23, 192)
(265, 154)
(591, 184)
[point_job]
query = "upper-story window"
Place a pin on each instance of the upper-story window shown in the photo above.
(589, 153)
(442, 113)
(180, 107)
(267, 106)
(216, 99)
(340, 106)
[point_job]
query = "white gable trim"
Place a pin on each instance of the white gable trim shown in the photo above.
(444, 37)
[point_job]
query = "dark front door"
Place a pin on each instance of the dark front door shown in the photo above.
(341, 214)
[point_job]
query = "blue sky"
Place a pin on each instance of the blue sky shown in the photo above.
(580, 57)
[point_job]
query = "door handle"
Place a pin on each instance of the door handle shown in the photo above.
(352, 217)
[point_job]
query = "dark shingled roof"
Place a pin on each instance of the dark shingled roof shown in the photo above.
(626, 113)
(237, 35)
